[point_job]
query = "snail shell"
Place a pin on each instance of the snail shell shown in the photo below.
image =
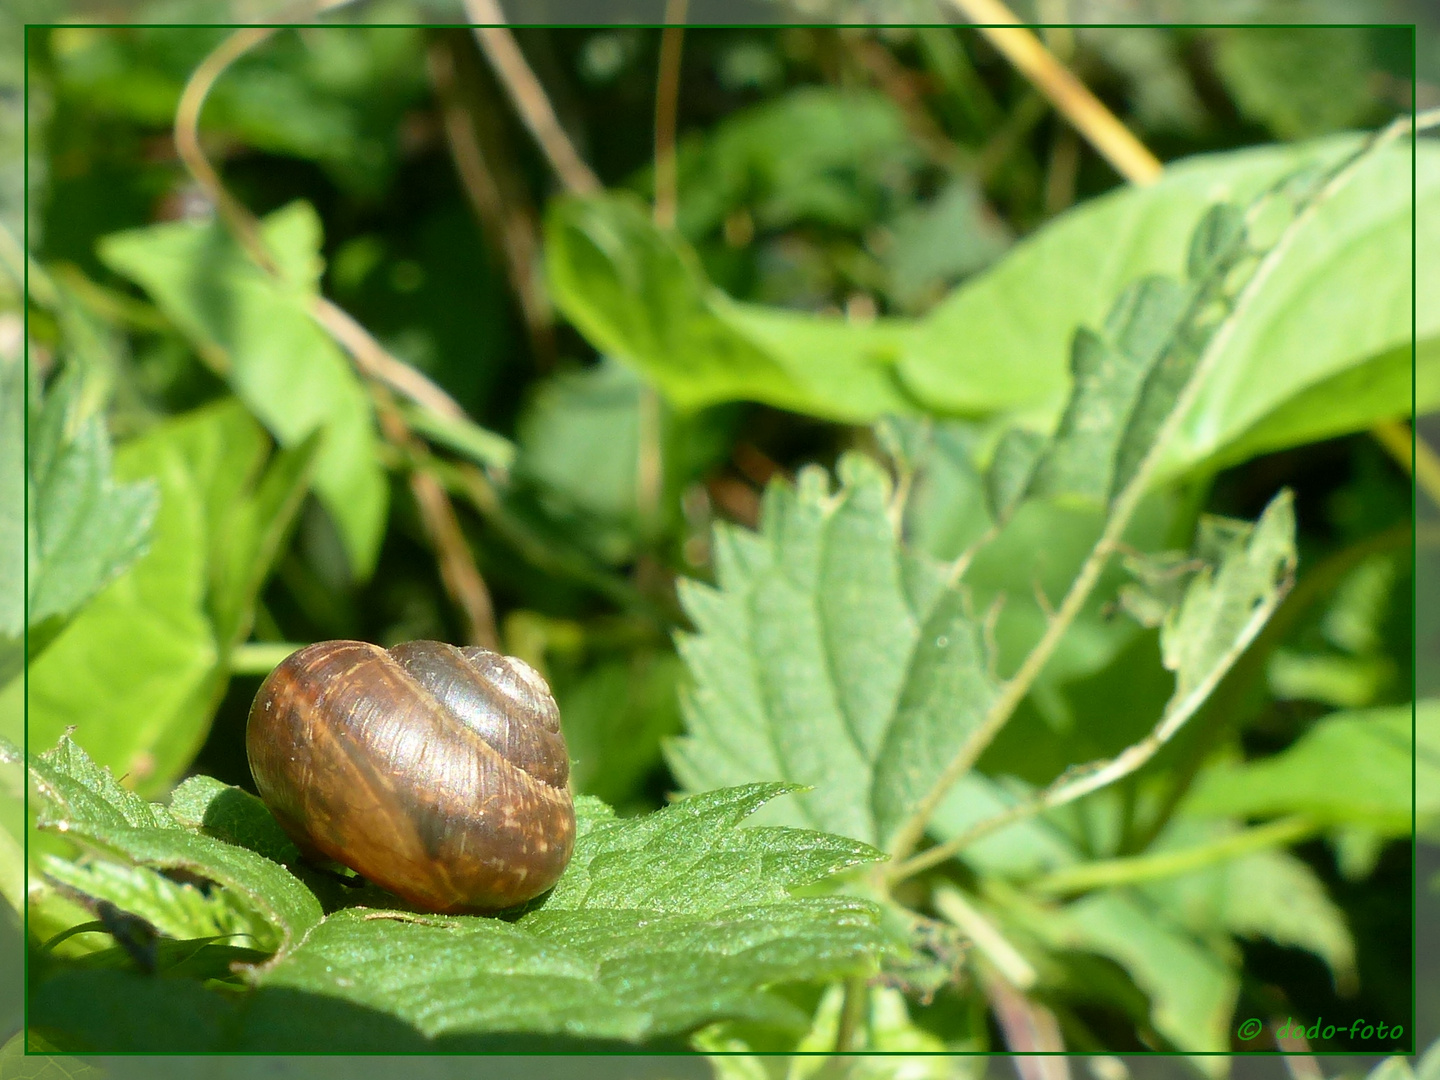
(435, 771)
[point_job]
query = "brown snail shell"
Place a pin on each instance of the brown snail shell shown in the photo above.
(436, 771)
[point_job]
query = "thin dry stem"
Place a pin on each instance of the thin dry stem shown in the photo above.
(529, 98)
(1089, 116)
(508, 228)
(667, 102)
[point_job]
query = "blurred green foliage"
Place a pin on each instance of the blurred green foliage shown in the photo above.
(885, 245)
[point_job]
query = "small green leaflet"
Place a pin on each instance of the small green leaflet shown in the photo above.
(82, 802)
(84, 528)
(258, 331)
(831, 657)
(661, 924)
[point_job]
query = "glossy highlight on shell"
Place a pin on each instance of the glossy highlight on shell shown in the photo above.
(438, 772)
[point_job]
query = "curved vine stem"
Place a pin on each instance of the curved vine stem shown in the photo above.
(1122, 509)
(458, 570)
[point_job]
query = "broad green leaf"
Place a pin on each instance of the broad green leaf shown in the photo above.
(659, 924)
(640, 296)
(828, 656)
(83, 803)
(1372, 750)
(1192, 990)
(999, 342)
(280, 363)
(1301, 329)
(1271, 894)
(84, 528)
(139, 671)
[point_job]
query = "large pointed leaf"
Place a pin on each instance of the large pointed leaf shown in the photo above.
(1000, 342)
(828, 656)
(660, 924)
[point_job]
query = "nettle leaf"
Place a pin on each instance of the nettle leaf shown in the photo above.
(82, 802)
(1251, 567)
(84, 528)
(829, 656)
(660, 925)
(278, 360)
(139, 671)
(178, 909)
(1371, 749)
(1109, 373)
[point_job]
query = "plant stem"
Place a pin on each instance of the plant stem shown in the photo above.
(1089, 116)
(457, 563)
(529, 97)
(1411, 453)
(667, 102)
(1164, 864)
(852, 1013)
(1079, 782)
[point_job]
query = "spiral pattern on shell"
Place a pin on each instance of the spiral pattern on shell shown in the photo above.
(436, 771)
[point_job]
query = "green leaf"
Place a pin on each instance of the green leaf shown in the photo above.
(139, 671)
(638, 295)
(82, 802)
(1192, 991)
(830, 657)
(660, 923)
(1109, 373)
(1251, 566)
(279, 362)
(1371, 749)
(1300, 330)
(1269, 893)
(84, 529)
(177, 909)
